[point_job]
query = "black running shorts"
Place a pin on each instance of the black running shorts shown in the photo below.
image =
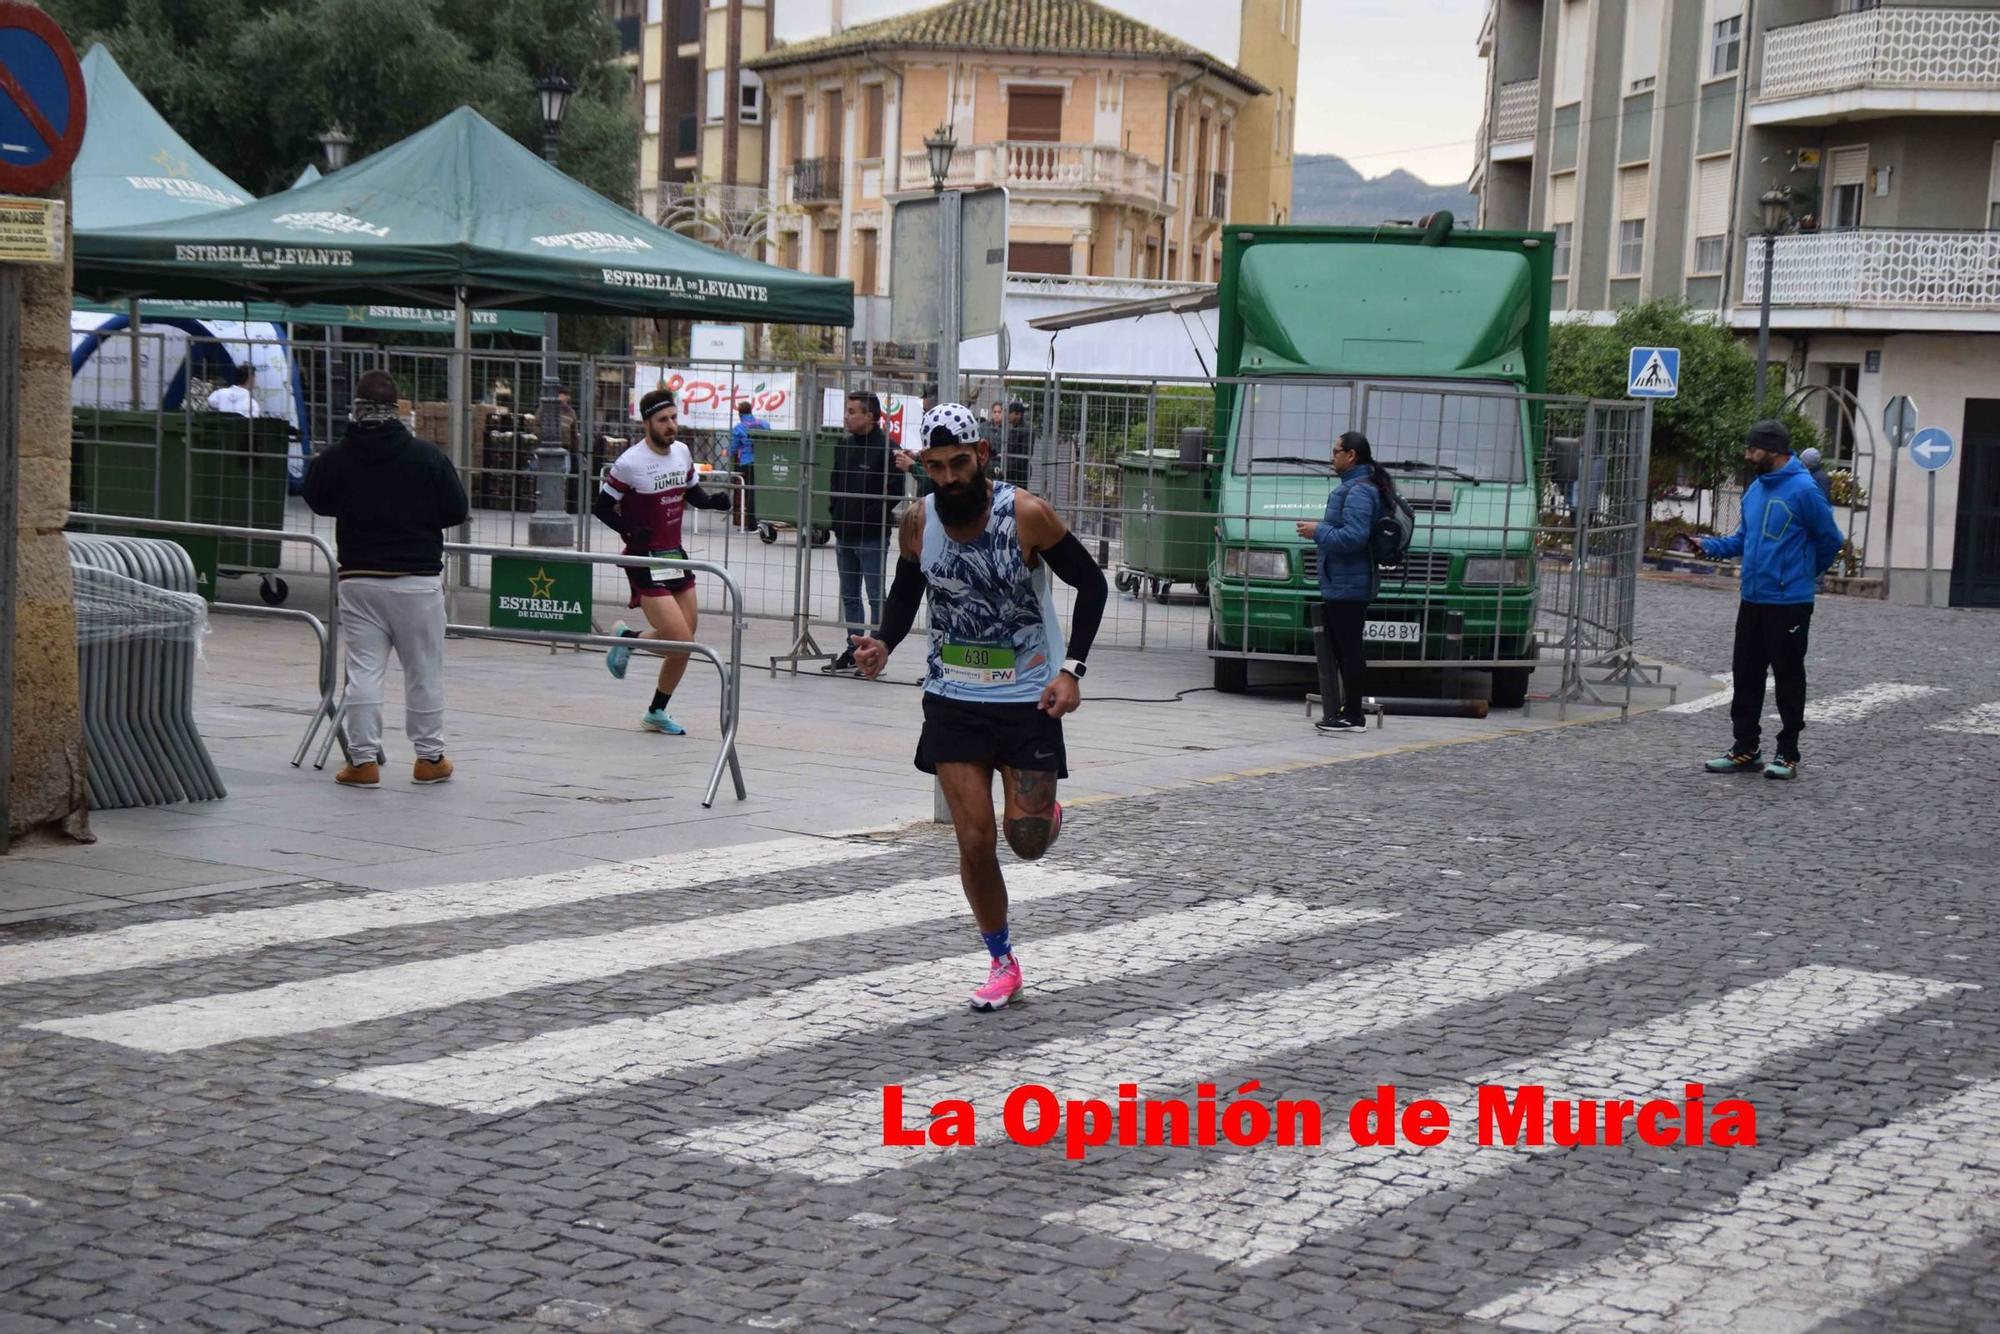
(1017, 736)
(644, 585)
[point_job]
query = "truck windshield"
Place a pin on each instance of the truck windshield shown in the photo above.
(1427, 428)
(1447, 432)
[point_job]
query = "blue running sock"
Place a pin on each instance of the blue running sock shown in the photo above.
(996, 942)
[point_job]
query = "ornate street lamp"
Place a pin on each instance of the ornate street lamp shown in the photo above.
(554, 90)
(336, 142)
(548, 527)
(1775, 205)
(940, 146)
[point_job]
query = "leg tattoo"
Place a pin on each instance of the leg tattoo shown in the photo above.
(1031, 829)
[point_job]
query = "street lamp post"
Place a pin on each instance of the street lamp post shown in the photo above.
(336, 142)
(939, 146)
(1775, 204)
(549, 527)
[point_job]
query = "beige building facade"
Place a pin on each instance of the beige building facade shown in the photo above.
(1118, 143)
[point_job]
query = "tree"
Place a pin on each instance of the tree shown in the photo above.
(253, 83)
(1699, 434)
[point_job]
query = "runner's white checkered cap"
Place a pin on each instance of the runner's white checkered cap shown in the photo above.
(955, 417)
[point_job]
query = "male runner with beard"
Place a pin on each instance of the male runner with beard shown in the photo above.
(645, 492)
(996, 683)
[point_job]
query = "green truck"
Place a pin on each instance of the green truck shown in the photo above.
(1426, 338)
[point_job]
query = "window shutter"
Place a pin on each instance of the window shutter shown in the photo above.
(1562, 198)
(1711, 207)
(1723, 9)
(1849, 167)
(1632, 193)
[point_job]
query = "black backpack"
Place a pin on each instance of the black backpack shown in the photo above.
(1389, 536)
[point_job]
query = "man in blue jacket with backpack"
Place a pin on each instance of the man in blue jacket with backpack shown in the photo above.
(1788, 539)
(1348, 579)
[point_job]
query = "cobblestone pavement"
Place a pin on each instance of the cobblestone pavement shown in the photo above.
(649, 1096)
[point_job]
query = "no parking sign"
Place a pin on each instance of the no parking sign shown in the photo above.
(42, 108)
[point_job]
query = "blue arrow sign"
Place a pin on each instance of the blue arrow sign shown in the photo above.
(1653, 372)
(1932, 448)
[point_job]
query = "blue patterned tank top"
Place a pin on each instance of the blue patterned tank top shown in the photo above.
(994, 634)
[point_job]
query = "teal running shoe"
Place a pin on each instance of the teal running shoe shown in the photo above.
(656, 720)
(617, 657)
(1736, 762)
(1782, 769)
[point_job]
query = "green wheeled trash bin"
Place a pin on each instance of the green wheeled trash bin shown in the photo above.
(1168, 522)
(238, 469)
(780, 464)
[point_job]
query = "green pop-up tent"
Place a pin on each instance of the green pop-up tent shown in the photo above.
(135, 168)
(457, 212)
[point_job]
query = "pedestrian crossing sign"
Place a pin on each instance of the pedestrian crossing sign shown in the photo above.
(1653, 372)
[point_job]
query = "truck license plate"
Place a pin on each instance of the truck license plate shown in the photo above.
(1392, 632)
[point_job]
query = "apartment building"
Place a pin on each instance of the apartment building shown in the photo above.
(1258, 37)
(1116, 141)
(701, 113)
(1664, 142)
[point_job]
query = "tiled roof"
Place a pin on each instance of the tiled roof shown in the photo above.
(1044, 27)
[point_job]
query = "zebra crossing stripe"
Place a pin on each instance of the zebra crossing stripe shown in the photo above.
(1896, 1199)
(1854, 705)
(239, 932)
(839, 1139)
(1982, 721)
(1705, 702)
(1254, 1207)
(576, 1061)
(433, 984)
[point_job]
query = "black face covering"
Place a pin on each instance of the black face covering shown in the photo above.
(962, 504)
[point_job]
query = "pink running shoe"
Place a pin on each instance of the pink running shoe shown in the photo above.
(1002, 983)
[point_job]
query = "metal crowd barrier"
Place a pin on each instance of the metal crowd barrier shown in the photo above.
(731, 671)
(137, 682)
(327, 632)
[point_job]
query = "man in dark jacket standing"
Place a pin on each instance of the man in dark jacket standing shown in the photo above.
(391, 497)
(1348, 581)
(1787, 539)
(863, 464)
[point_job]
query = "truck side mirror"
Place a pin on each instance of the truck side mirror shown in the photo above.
(1194, 445)
(1563, 452)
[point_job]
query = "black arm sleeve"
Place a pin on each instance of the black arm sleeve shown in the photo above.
(605, 507)
(1073, 565)
(707, 500)
(906, 594)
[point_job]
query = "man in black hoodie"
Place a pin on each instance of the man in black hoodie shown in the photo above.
(391, 497)
(863, 464)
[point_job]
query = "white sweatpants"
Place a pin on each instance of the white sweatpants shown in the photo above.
(406, 615)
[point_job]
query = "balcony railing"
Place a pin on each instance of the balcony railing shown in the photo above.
(1944, 49)
(1514, 116)
(816, 180)
(1212, 199)
(1879, 268)
(1031, 164)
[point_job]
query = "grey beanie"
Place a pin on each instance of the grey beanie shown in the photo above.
(1810, 457)
(1769, 434)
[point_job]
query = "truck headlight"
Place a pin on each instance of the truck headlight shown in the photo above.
(1496, 570)
(1241, 563)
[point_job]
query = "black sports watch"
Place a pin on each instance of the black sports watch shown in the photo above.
(1075, 667)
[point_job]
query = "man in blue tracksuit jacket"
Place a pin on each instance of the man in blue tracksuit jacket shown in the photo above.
(1788, 539)
(1348, 581)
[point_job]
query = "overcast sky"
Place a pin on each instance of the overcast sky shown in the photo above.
(1392, 83)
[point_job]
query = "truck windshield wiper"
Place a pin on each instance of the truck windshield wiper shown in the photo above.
(1292, 458)
(1445, 468)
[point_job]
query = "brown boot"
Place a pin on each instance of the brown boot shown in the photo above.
(360, 775)
(431, 771)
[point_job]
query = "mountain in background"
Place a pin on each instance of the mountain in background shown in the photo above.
(1325, 188)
